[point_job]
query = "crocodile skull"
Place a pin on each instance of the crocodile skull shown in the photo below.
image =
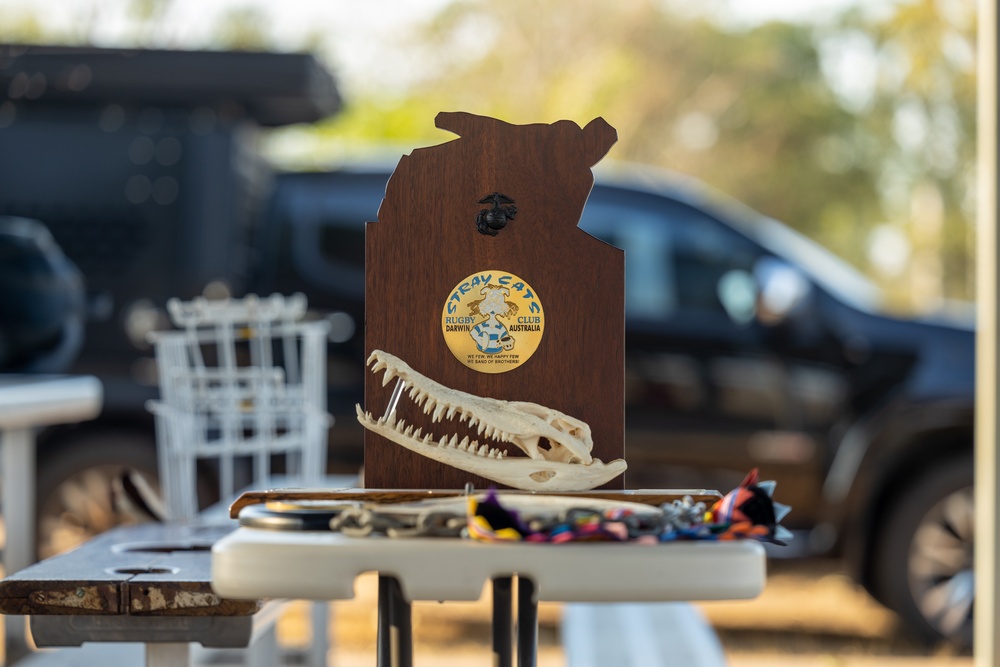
(557, 446)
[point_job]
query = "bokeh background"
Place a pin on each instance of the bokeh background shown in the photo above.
(852, 122)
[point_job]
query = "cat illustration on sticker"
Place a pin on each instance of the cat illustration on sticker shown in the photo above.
(490, 335)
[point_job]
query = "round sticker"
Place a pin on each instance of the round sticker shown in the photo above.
(493, 321)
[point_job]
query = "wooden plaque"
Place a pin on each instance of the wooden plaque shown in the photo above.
(427, 241)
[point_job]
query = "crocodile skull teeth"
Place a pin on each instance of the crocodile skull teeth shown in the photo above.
(556, 446)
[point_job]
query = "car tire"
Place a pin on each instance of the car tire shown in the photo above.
(923, 564)
(74, 497)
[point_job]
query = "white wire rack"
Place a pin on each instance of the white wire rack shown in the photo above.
(242, 382)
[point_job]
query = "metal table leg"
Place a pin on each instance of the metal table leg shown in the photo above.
(402, 623)
(395, 636)
(320, 646)
(527, 623)
(502, 622)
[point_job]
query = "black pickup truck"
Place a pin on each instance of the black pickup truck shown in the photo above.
(747, 345)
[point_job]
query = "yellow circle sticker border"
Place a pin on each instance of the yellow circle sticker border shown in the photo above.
(493, 321)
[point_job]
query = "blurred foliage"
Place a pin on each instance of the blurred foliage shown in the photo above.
(857, 131)
(144, 17)
(22, 26)
(920, 120)
(743, 112)
(242, 28)
(854, 132)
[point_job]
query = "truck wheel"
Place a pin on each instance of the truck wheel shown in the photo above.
(74, 489)
(924, 558)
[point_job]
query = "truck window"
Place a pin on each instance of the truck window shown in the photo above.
(675, 255)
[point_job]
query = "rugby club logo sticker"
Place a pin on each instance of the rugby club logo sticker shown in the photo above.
(493, 321)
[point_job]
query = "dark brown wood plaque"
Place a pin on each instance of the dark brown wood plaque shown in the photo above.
(426, 241)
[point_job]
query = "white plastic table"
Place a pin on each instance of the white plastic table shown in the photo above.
(28, 402)
(253, 563)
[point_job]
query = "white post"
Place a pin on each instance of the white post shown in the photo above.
(987, 648)
(168, 655)
(17, 463)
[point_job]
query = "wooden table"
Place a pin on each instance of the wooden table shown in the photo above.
(322, 565)
(28, 402)
(148, 583)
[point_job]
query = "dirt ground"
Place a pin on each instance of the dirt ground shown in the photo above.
(810, 614)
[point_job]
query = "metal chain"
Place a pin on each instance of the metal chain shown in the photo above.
(440, 522)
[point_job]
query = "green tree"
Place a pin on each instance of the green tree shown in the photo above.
(919, 115)
(19, 25)
(748, 112)
(243, 28)
(858, 133)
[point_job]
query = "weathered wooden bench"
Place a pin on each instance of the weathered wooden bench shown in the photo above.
(148, 583)
(28, 402)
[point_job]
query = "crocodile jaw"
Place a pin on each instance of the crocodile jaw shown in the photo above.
(565, 464)
(518, 472)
